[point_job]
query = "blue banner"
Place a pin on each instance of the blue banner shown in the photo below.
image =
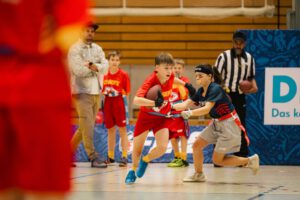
(275, 144)
(100, 142)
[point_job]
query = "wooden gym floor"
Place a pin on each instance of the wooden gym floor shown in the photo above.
(163, 183)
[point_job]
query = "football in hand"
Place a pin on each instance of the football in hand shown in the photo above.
(245, 85)
(152, 92)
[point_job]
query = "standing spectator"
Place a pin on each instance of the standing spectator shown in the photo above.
(236, 65)
(35, 123)
(116, 87)
(87, 60)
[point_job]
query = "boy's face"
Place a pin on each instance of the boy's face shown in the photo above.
(164, 71)
(114, 61)
(178, 70)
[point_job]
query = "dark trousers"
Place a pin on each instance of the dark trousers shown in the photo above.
(239, 102)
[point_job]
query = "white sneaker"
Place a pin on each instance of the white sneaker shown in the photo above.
(253, 163)
(196, 177)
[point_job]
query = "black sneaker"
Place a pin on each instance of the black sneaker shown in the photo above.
(110, 161)
(96, 163)
(215, 165)
(185, 163)
(123, 162)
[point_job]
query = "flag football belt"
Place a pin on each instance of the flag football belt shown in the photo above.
(237, 121)
(165, 115)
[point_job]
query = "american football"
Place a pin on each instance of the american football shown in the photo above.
(152, 92)
(245, 85)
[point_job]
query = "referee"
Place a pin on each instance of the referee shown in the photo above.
(236, 65)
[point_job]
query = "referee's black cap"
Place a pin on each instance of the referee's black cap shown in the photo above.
(239, 35)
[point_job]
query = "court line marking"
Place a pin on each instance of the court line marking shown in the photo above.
(264, 193)
(93, 174)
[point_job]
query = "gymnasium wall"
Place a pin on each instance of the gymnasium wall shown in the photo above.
(200, 40)
(194, 39)
(277, 141)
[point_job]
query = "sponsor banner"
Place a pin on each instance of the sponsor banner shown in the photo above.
(100, 141)
(282, 96)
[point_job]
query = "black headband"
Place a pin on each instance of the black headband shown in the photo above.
(204, 69)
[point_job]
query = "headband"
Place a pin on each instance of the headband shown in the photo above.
(204, 69)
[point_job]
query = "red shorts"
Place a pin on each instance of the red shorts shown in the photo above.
(176, 127)
(35, 127)
(147, 122)
(114, 112)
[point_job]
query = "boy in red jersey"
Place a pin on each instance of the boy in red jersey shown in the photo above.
(35, 123)
(178, 127)
(154, 119)
(116, 87)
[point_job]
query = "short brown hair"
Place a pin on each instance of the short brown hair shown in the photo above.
(113, 54)
(164, 58)
(179, 61)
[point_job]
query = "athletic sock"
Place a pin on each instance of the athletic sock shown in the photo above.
(111, 154)
(146, 159)
(177, 154)
(124, 154)
(183, 155)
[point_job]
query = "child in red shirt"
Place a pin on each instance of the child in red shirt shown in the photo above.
(154, 119)
(178, 127)
(116, 87)
(35, 123)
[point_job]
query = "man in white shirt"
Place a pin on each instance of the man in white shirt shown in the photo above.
(87, 61)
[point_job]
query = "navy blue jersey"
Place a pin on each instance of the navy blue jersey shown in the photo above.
(215, 93)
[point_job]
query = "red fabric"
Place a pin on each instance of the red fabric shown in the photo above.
(185, 79)
(35, 148)
(100, 117)
(179, 92)
(25, 23)
(147, 122)
(165, 109)
(152, 80)
(118, 81)
(34, 133)
(114, 112)
(33, 83)
(35, 118)
(227, 116)
(176, 127)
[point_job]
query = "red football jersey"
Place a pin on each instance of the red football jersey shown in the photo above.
(185, 79)
(22, 31)
(179, 92)
(116, 84)
(152, 80)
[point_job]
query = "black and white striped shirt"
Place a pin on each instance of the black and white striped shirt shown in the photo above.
(233, 71)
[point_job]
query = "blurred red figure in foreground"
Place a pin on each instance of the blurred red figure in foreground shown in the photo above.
(35, 124)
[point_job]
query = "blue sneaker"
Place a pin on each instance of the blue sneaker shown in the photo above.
(141, 169)
(130, 178)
